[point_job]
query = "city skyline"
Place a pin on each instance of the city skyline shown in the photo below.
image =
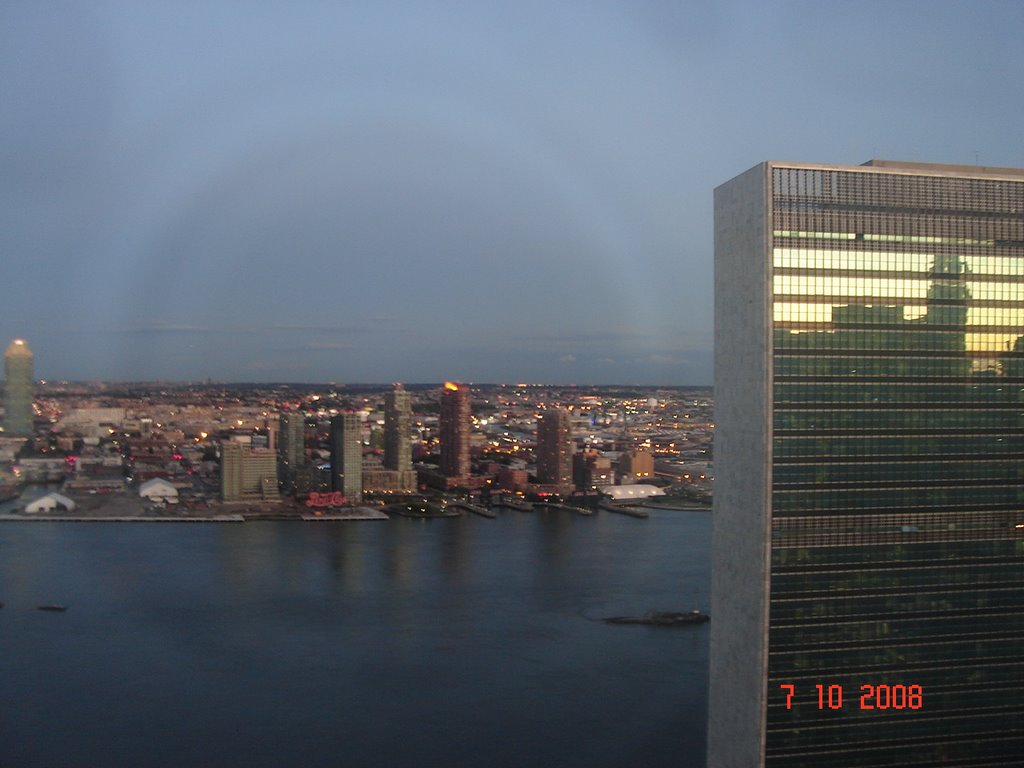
(503, 194)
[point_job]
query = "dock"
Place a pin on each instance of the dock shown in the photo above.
(356, 513)
(519, 506)
(609, 507)
(565, 507)
(475, 509)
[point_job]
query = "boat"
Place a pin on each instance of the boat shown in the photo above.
(55, 608)
(521, 506)
(661, 618)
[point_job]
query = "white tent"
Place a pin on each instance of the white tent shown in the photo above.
(157, 489)
(50, 502)
(626, 492)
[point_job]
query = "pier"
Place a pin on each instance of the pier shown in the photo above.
(355, 513)
(565, 507)
(475, 509)
(609, 507)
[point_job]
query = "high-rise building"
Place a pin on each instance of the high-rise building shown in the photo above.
(868, 577)
(347, 455)
(247, 474)
(454, 428)
(636, 465)
(291, 448)
(554, 448)
(18, 379)
(397, 415)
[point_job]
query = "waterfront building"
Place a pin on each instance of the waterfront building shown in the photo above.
(247, 474)
(347, 455)
(591, 469)
(636, 465)
(868, 548)
(454, 425)
(397, 415)
(291, 448)
(513, 479)
(19, 375)
(554, 448)
(397, 446)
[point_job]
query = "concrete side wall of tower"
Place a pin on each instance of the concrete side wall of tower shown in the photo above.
(740, 542)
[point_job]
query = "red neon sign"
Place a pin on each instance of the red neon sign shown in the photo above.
(335, 499)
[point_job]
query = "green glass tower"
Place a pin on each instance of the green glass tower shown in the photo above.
(18, 378)
(868, 571)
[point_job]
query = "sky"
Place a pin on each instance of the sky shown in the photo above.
(475, 191)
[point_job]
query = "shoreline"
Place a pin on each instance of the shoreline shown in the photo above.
(128, 508)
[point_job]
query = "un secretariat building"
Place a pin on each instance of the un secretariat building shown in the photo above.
(868, 582)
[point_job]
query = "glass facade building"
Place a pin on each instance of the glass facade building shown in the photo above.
(868, 584)
(347, 455)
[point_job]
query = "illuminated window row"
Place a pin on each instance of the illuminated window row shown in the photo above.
(830, 342)
(893, 289)
(893, 261)
(977, 314)
(925, 239)
(954, 368)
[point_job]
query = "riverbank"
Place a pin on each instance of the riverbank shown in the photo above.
(128, 507)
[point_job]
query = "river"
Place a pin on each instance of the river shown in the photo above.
(458, 642)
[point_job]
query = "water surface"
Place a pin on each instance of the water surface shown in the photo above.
(458, 642)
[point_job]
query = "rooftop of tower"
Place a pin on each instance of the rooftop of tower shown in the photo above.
(18, 348)
(944, 167)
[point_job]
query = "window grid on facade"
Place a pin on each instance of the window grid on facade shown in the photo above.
(898, 469)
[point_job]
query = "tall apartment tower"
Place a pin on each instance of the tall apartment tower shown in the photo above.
(868, 546)
(247, 474)
(19, 374)
(554, 448)
(347, 455)
(454, 428)
(291, 447)
(397, 415)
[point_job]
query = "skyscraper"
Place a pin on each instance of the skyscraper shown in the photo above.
(291, 447)
(347, 455)
(397, 450)
(868, 578)
(18, 378)
(454, 428)
(554, 448)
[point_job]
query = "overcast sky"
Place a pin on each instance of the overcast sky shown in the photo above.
(414, 192)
